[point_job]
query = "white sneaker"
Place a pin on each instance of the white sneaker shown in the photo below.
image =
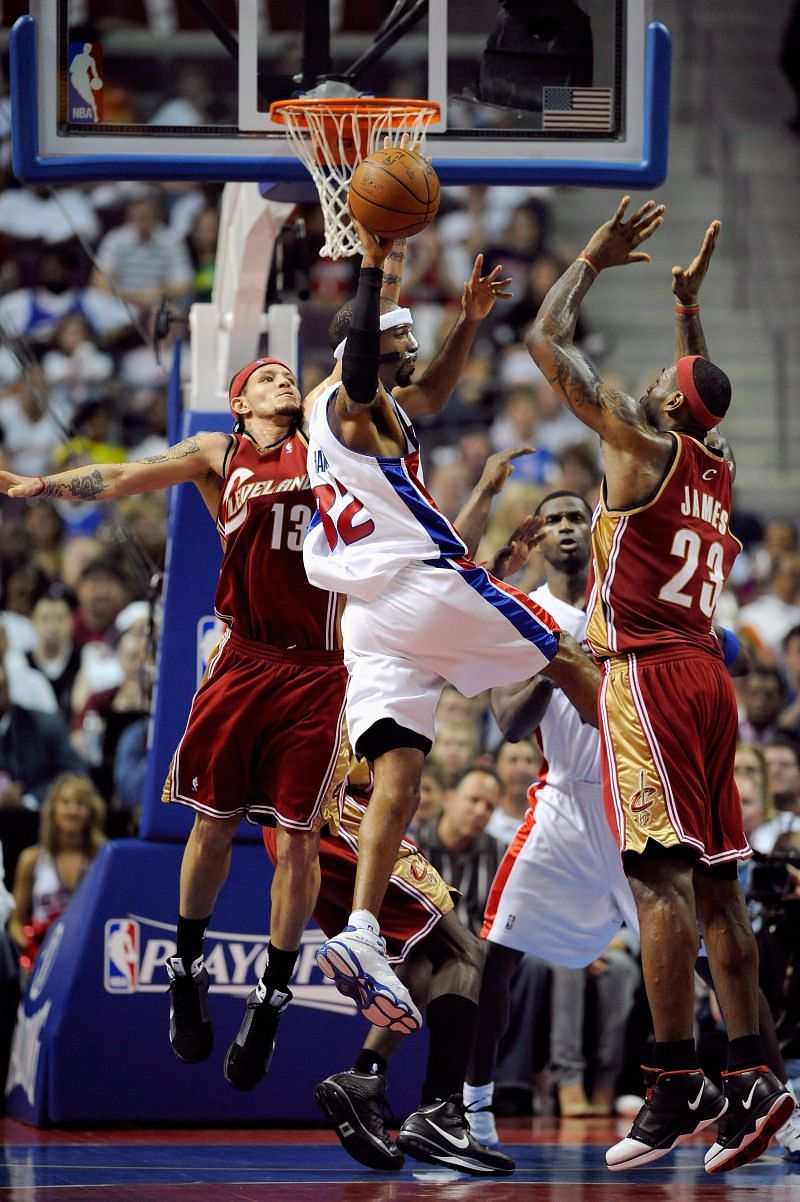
(356, 962)
(788, 1136)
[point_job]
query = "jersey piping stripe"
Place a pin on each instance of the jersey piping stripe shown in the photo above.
(613, 779)
(400, 475)
(655, 751)
(607, 585)
(514, 606)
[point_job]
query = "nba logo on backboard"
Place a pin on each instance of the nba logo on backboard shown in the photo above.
(121, 973)
(85, 99)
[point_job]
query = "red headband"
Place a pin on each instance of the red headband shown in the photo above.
(240, 379)
(684, 369)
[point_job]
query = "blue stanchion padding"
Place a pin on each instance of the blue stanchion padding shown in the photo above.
(91, 1043)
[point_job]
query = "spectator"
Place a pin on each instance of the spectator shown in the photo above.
(141, 261)
(33, 313)
(44, 214)
(517, 764)
(30, 435)
(27, 686)
(9, 978)
(459, 846)
(45, 528)
(455, 745)
(202, 244)
(782, 754)
(91, 440)
(47, 874)
(580, 471)
(25, 583)
(75, 365)
(769, 618)
(34, 748)
(101, 594)
(752, 781)
(763, 699)
(97, 726)
(55, 654)
(432, 788)
(790, 717)
(130, 769)
(612, 981)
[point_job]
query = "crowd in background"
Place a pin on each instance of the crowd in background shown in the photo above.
(83, 271)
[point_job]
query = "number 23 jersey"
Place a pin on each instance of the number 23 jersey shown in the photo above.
(263, 592)
(658, 568)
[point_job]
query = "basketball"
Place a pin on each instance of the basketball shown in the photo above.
(394, 193)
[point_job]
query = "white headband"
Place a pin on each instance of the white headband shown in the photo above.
(395, 317)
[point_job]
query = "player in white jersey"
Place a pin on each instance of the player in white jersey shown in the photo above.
(419, 612)
(560, 892)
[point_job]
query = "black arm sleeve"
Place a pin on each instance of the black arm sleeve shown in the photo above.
(362, 350)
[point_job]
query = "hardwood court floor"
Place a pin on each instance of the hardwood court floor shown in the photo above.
(556, 1162)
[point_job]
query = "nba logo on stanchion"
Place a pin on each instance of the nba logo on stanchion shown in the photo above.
(121, 973)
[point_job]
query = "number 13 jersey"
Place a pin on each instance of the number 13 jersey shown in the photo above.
(374, 514)
(658, 568)
(263, 593)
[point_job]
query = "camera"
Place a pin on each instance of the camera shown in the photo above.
(770, 879)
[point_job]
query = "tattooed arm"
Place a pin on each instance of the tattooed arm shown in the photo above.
(197, 459)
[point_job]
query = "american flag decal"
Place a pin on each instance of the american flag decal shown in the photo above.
(576, 108)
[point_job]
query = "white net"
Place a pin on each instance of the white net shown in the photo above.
(331, 138)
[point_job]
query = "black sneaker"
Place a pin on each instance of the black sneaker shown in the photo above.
(757, 1106)
(439, 1133)
(249, 1055)
(354, 1104)
(190, 1030)
(677, 1104)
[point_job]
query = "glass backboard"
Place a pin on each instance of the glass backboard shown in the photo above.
(531, 91)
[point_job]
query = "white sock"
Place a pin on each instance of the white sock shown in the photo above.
(478, 1097)
(364, 919)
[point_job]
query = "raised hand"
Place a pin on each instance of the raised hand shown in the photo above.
(481, 291)
(373, 248)
(499, 467)
(614, 243)
(686, 281)
(514, 555)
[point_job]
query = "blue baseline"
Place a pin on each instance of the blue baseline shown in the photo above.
(32, 167)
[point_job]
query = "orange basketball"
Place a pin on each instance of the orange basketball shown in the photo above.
(394, 193)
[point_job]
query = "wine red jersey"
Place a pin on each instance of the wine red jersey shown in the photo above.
(658, 568)
(263, 592)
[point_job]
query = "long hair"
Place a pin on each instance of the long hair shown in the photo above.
(85, 790)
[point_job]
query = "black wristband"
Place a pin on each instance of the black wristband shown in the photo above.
(362, 349)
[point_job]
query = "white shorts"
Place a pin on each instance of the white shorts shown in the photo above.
(560, 892)
(437, 622)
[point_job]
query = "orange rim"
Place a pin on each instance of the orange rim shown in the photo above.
(360, 106)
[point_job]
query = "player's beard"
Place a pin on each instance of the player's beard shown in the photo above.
(404, 373)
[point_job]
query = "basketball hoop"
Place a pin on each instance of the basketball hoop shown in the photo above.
(331, 135)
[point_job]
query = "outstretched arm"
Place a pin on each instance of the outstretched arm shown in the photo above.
(519, 708)
(435, 387)
(686, 283)
(615, 416)
(362, 349)
(195, 459)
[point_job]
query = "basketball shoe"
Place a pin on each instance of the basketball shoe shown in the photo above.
(354, 1103)
(190, 1030)
(677, 1104)
(356, 962)
(788, 1136)
(249, 1055)
(758, 1105)
(439, 1134)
